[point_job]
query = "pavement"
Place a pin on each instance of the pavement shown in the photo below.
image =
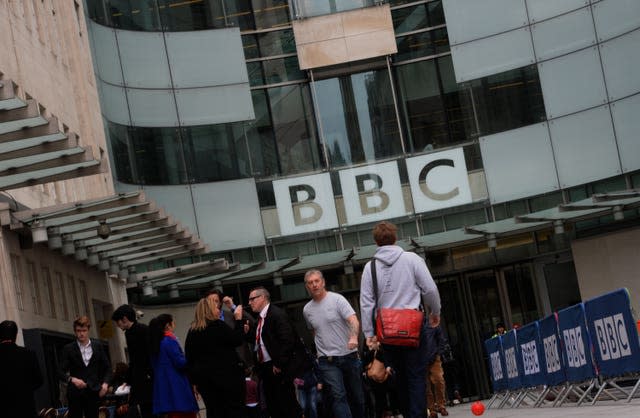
(613, 409)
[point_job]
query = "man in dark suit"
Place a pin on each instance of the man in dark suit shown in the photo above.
(139, 375)
(280, 355)
(21, 375)
(86, 370)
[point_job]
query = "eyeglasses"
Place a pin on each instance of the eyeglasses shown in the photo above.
(251, 299)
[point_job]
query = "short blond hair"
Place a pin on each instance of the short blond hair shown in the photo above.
(204, 313)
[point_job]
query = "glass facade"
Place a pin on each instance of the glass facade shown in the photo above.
(301, 126)
(176, 15)
(358, 118)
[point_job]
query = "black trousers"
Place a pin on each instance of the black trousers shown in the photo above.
(83, 403)
(279, 393)
(225, 397)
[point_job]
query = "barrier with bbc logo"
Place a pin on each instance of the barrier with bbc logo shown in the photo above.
(615, 339)
(569, 354)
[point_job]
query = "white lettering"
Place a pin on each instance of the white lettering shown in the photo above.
(574, 347)
(552, 357)
(510, 360)
(530, 358)
(612, 337)
(496, 366)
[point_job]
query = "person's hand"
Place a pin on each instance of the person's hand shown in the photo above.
(434, 320)
(237, 314)
(372, 343)
(352, 343)
(319, 386)
(103, 390)
(79, 383)
(228, 302)
(195, 392)
(276, 370)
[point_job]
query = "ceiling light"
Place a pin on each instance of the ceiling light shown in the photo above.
(55, 240)
(618, 214)
(174, 293)
(67, 245)
(492, 241)
(38, 231)
(103, 229)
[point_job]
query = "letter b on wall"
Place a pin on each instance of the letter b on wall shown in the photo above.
(305, 204)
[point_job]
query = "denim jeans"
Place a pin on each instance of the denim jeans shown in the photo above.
(308, 399)
(411, 371)
(343, 376)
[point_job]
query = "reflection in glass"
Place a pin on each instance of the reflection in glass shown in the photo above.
(257, 14)
(508, 100)
(422, 16)
(282, 69)
(521, 294)
(358, 117)
(294, 129)
(269, 44)
(131, 14)
(215, 152)
(174, 15)
(282, 138)
(158, 155)
(310, 8)
(422, 44)
(191, 15)
(121, 152)
(437, 113)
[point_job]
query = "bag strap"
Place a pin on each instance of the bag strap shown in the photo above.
(374, 280)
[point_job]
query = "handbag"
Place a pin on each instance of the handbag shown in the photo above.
(376, 370)
(399, 327)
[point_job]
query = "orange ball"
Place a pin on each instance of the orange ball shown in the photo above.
(477, 408)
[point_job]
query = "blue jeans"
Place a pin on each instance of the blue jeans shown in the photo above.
(308, 399)
(343, 376)
(410, 367)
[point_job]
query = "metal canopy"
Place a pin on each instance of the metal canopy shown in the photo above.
(138, 232)
(33, 149)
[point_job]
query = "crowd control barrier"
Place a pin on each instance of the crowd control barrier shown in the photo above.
(615, 342)
(579, 354)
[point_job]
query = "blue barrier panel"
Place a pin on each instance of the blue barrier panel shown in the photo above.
(576, 352)
(531, 355)
(512, 360)
(553, 362)
(614, 333)
(496, 363)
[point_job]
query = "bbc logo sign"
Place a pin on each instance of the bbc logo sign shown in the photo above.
(612, 338)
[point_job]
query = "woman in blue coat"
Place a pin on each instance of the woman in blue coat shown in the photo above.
(172, 392)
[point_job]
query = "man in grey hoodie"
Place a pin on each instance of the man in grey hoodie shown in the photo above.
(404, 282)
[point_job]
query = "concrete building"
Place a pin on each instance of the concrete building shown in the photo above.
(67, 240)
(501, 137)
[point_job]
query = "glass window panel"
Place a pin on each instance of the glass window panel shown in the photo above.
(310, 8)
(417, 17)
(97, 11)
(358, 117)
(408, 229)
(350, 240)
(262, 144)
(327, 244)
(191, 15)
(459, 220)
(610, 185)
(269, 44)
(256, 76)
(508, 100)
(121, 153)
(422, 44)
(547, 201)
(293, 125)
(250, 46)
(578, 193)
(432, 225)
(266, 196)
(499, 212)
(521, 294)
(436, 111)
(283, 69)
(295, 249)
(134, 14)
(215, 152)
(473, 157)
(257, 14)
(517, 207)
(158, 156)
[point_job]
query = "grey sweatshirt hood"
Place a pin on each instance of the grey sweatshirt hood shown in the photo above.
(388, 254)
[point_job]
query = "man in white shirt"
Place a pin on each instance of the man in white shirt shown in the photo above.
(335, 327)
